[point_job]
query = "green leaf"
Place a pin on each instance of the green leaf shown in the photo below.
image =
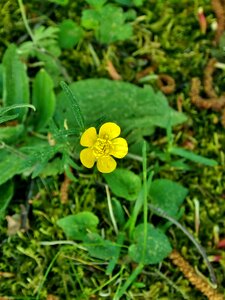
(60, 2)
(4, 110)
(6, 195)
(15, 82)
(77, 226)
(137, 110)
(10, 165)
(193, 157)
(112, 25)
(96, 3)
(38, 157)
(90, 19)
(43, 98)
(130, 2)
(1, 80)
(108, 22)
(7, 118)
(11, 134)
(70, 33)
(158, 245)
(74, 106)
(138, 2)
(53, 168)
(167, 195)
(118, 212)
(100, 248)
(124, 183)
(113, 261)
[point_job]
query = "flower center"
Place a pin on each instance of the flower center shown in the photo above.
(102, 147)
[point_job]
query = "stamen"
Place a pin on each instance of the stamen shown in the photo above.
(102, 147)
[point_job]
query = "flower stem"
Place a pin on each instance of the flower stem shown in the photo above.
(145, 198)
(21, 5)
(111, 209)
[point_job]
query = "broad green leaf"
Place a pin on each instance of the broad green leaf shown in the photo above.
(10, 165)
(15, 82)
(10, 134)
(113, 261)
(118, 212)
(77, 226)
(70, 33)
(157, 245)
(5, 197)
(43, 98)
(96, 3)
(193, 157)
(137, 110)
(167, 195)
(124, 183)
(100, 248)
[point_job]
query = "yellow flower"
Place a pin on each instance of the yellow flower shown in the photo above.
(102, 146)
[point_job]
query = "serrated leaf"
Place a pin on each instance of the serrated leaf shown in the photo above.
(6, 195)
(43, 98)
(124, 183)
(53, 168)
(90, 19)
(112, 25)
(15, 82)
(38, 157)
(167, 195)
(77, 226)
(70, 33)
(108, 22)
(74, 106)
(135, 109)
(100, 248)
(157, 245)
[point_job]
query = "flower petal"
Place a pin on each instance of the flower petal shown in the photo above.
(119, 147)
(89, 137)
(87, 158)
(106, 164)
(109, 130)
